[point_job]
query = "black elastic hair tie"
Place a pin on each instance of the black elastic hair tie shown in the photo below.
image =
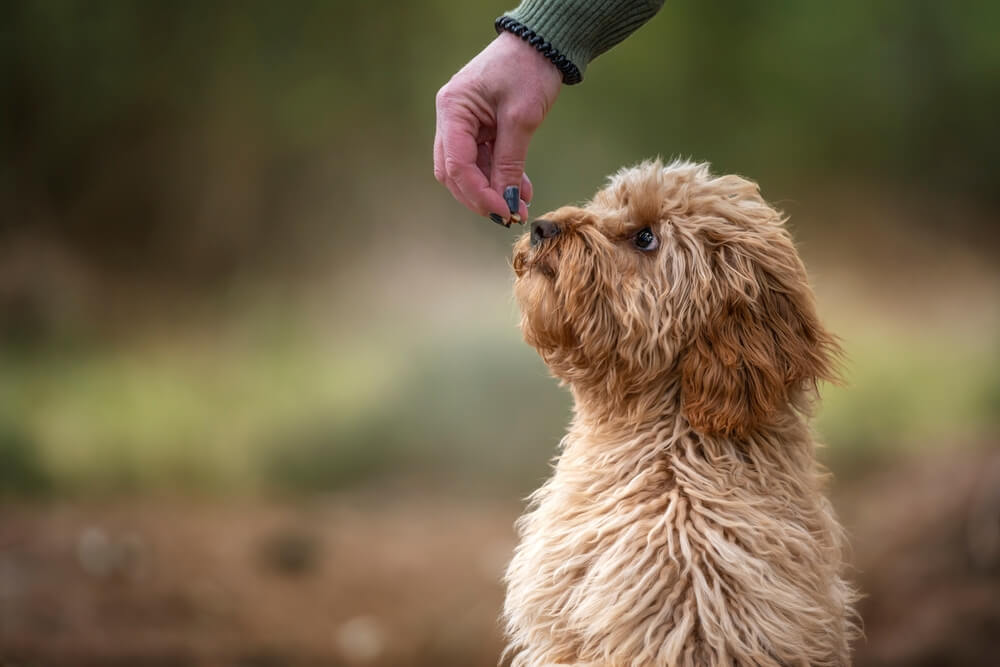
(570, 72)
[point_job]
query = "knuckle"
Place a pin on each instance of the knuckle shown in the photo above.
(445, 97)
(509, 166)
(527, 116)
(452, 166)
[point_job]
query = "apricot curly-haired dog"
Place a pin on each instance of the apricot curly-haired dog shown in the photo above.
(685, 522)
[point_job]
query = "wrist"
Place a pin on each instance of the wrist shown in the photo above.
(511, 30)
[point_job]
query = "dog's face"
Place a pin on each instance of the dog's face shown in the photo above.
(672, 279)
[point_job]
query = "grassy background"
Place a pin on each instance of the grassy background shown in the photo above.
(262, 406)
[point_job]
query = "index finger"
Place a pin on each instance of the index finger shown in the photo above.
(460, 150)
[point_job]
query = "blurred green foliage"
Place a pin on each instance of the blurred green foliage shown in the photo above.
(905, 392)
(172, 136)
(21, 469)
(474, 411)
(293, 414)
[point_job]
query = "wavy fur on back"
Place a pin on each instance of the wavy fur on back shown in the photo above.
(685, 522)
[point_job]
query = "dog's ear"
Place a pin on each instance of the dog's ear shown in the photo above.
(752, 356)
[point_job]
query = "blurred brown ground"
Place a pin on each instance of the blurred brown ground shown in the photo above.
(393, 578)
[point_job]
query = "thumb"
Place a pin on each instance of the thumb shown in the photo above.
(510, 150)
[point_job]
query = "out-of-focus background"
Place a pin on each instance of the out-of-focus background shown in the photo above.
(263, 400)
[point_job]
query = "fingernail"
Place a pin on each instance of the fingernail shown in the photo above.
(497, 219)
(512, 195)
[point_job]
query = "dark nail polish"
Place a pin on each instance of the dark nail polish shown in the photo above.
(497, 219)
(512, 195)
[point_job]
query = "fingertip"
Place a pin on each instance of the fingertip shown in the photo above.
(439, 171)
(523, 211)
(475, 192)
(489, 203)
(527, 190)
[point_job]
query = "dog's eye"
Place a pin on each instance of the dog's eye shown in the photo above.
(645, 239)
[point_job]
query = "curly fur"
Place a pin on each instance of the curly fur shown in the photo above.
(685, 522)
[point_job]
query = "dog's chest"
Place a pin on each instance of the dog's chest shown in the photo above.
(596, 547)
(655, 551)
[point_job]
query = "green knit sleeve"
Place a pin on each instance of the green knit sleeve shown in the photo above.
(580, 30)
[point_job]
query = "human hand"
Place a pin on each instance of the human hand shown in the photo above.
(486, 116)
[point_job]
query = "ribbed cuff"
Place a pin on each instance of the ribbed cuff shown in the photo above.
(580, 30)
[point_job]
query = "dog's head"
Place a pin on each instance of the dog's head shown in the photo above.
(674, 280)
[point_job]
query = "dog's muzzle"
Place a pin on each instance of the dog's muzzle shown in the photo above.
(541, 230)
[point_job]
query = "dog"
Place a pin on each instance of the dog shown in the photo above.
(685, 522)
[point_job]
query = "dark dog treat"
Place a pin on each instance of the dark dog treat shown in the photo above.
(497, 219)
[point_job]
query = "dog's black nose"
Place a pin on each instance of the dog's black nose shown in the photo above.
(543, 229)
